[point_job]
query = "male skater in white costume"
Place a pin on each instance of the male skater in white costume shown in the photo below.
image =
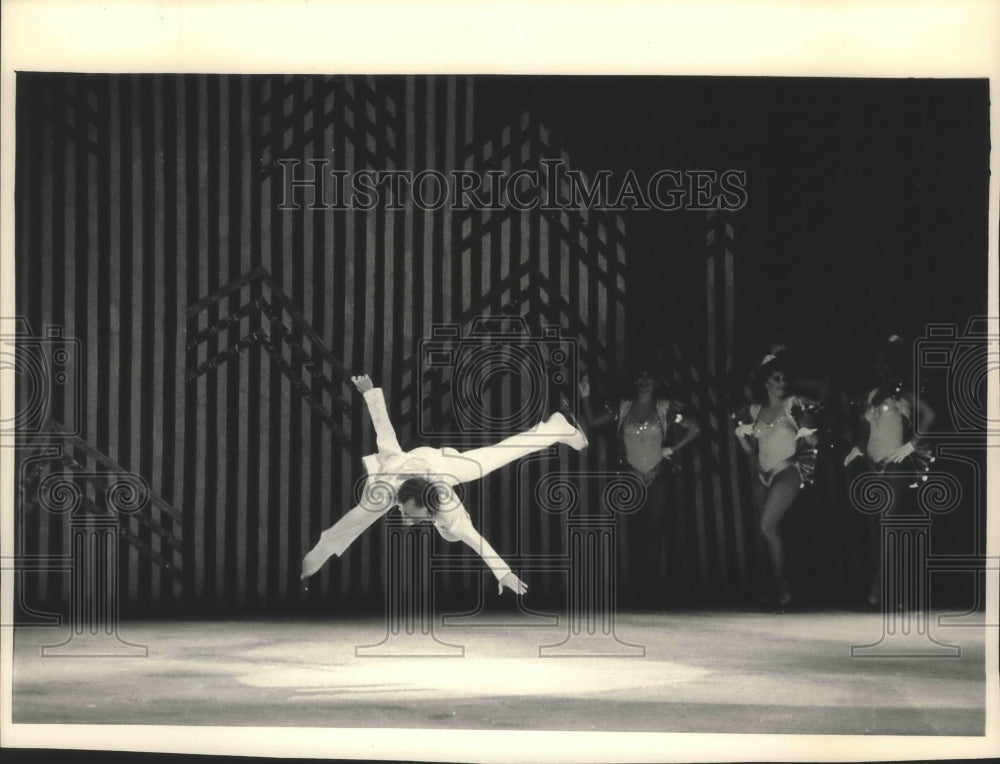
(419, 483)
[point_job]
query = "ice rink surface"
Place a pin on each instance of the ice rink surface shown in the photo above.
(665, 672)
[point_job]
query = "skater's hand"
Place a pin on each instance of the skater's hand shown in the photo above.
(667, 452)
(363, 383)
(853, 454)
(513, 583)
(744, 430)
(805, 432)
(584, 386)
(901, 453)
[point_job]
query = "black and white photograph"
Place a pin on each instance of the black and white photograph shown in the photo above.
(499, 408)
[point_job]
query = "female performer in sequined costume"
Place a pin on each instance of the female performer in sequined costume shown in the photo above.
(775, 431)
(643, 421)
(888, 444)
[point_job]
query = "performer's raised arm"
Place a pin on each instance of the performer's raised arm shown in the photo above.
(593, 420)
(385, 436)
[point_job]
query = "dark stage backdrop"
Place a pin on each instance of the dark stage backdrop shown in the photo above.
(216, 331)
(211, 316)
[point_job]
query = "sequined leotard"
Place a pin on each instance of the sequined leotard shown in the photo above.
(643, 444)
(890, 424)
(643, 439)
(778, 447)
(887, 426)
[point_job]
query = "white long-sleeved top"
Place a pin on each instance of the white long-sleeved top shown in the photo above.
(387, 469)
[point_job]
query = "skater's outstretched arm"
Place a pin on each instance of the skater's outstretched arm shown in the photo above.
(335, 539)
(458, 525)
(385, 436)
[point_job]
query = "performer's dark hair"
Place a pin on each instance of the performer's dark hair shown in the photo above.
(758, 383)
(422, 491)
(897, 358)
(661, 387)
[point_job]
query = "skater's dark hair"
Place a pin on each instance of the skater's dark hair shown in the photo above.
(423, 492)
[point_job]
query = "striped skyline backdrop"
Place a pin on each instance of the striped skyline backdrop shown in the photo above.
(141, 197)
(216, 334)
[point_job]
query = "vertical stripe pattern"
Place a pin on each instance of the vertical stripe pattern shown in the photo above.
(215, 319)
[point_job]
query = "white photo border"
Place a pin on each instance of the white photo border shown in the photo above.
(827, 38)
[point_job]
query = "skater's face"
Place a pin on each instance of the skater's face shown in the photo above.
(413, 513)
